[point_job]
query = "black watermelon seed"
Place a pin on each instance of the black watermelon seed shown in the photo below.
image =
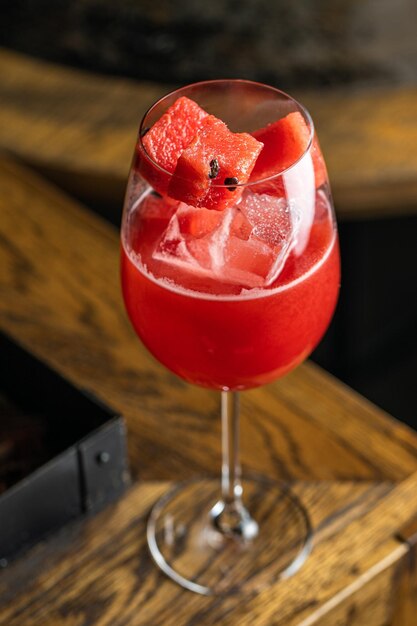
(144, 131)
(214, 168)
(231, 181)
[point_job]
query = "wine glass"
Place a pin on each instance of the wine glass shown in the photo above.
(231, 300)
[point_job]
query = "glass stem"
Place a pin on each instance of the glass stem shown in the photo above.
(228, 516)
(231, 485)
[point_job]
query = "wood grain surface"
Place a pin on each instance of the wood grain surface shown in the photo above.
(353, 467)
(80, 129)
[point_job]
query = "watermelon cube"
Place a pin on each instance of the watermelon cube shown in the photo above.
(166, 140)
(197, 222)
(168, 137)
(284, 143)
(214, 158)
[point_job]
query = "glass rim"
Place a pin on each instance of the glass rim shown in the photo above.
(218, 81)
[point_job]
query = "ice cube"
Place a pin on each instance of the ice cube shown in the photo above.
(299, 184)
(248, 262)
(219, 239)
(234, 260)
(272, 223)
(246, 248)
(173, 248)
(195, 239)
(268, 216)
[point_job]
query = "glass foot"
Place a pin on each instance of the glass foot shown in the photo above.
(185, 541)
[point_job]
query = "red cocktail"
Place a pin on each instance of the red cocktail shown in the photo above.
(230, 285)
(211, 336)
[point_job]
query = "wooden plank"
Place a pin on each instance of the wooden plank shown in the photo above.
(60, 296)
(99, 572)
(367, 601)
(341, 566)
(113, 544)
(80, 128)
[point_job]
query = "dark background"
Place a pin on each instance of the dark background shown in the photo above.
(303, 43)
(296, 44)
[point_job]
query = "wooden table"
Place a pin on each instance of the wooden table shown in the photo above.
(353, 467)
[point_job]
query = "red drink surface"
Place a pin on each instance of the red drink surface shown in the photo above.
(218, 335)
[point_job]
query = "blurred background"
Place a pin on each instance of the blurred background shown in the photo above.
(76, 76)
(294, 44)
